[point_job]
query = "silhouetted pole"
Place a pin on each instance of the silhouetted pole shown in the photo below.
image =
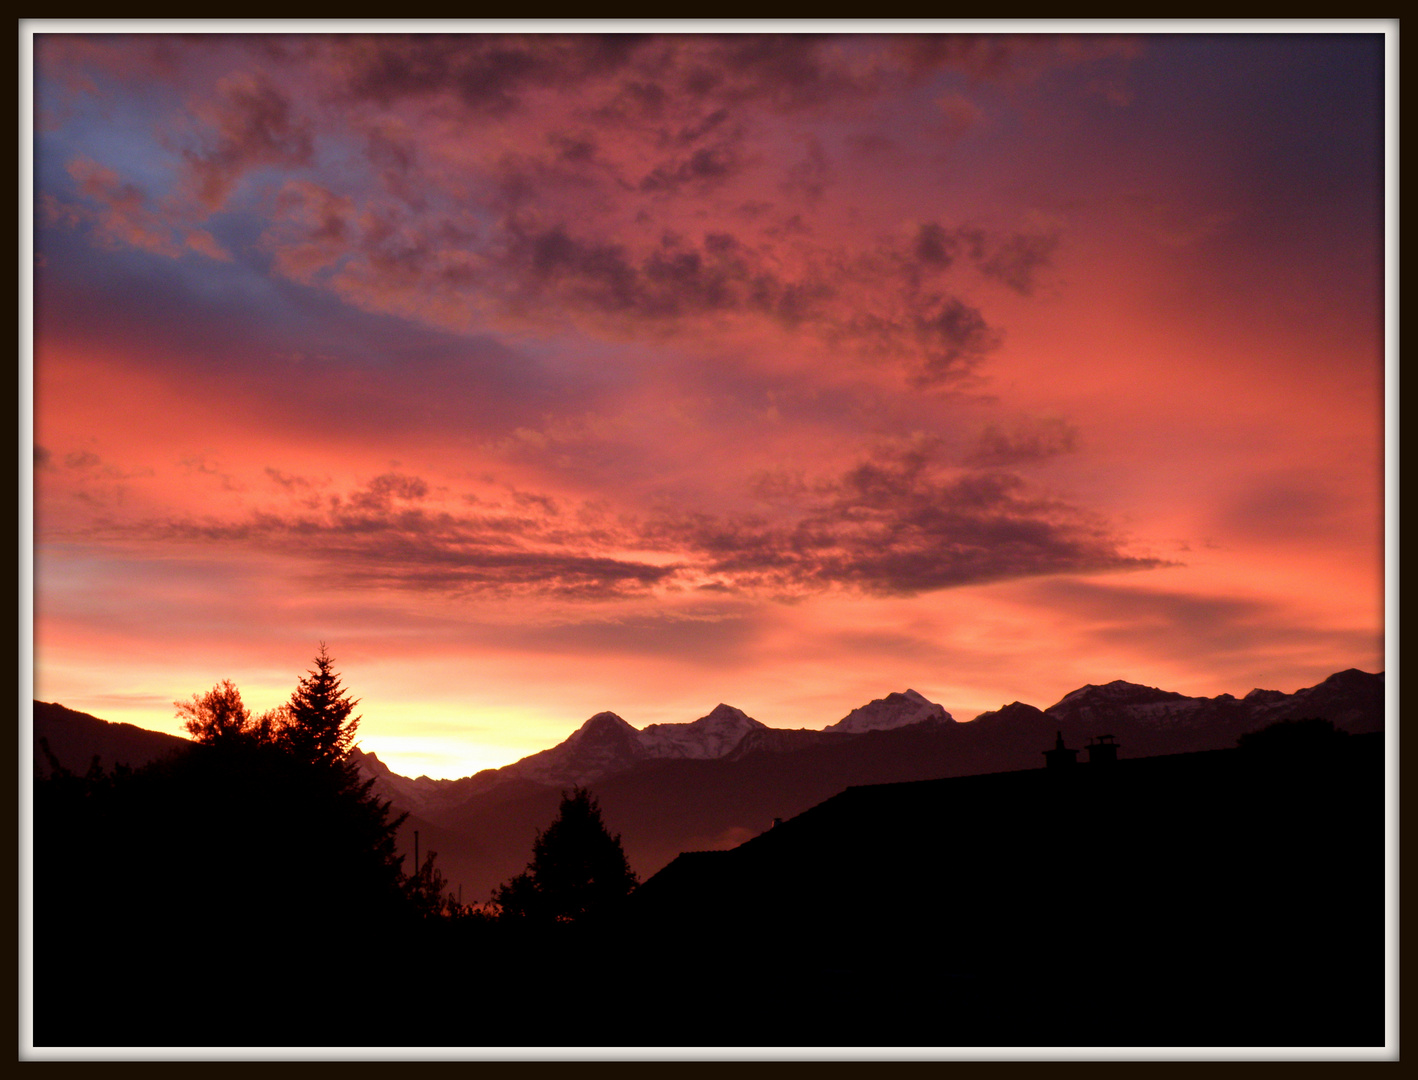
(416, 851)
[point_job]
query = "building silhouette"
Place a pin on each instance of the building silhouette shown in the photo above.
(1060, 757)
(1102, 750)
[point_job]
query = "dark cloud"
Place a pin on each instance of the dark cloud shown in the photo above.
(81, 459)
(937, 246)
(810, 177)
(632, 76)
(1018, 260)
(526, 236)
(1021, 443)
(251, 124)
(198, 463)
(638, 75)
(706, 167)
(870, 145)
(395, 159)
(785, 71)
(484, 72)
(368, 541)
(896, 523)
(120, 214)
(381, 492)
(574, 149)
(304, 491)
(674, 280)
(1292, 504)
(885, 305)
(289, 481)
(953, 337)
(1006, 56)
(691, 98)
(312, 229)
(386, 534)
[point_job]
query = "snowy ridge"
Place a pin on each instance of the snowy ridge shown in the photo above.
(1120, 698)
(606, 744)
(893, 711)
(1345, 697)
(602, 745)
(711, 736)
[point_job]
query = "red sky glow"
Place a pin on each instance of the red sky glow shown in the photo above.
(543, 374)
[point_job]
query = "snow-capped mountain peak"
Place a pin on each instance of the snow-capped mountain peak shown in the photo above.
(893, 711)
(1119, 690)
(1092, 703)
(1148, 720)
(711, 736)
(602, 727)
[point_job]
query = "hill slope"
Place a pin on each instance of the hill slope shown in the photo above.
(76, 738)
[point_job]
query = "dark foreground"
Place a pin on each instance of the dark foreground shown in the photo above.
(1215, 899)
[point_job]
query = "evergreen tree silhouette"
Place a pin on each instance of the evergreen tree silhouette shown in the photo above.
(233, 866)
(318, 727)
(578, 869)
(247, 890)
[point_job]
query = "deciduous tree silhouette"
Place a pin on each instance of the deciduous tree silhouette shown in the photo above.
(578, 869)
(219, 716)
(427, 890)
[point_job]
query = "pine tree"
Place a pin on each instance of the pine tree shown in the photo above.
(578, 869)
(318, 727)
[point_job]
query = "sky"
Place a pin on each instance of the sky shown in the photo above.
(551, 373)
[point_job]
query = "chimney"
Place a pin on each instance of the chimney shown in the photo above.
(1102, 750)
(1060, 757)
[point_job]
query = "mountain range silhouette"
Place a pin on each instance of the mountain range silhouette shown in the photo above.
(722, 779)
(931, 883)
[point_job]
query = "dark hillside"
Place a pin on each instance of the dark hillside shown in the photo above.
(76, 738)
(489, 838)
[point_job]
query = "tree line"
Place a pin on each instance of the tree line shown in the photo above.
(578, 869)
(249, 891)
